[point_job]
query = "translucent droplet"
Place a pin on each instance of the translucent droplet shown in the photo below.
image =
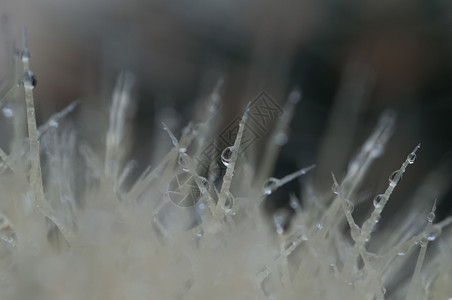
(281, 220)
(355, 232)
(280, 139)
(377, 150)
(433, 233)
(202, 206)
(377, 219)
(411, 158)
(25, 55)
(349, 206)
(182, 163)
(7, 112)
(226, 156)
(383, 290)
(205, 183)
(336, 188)
(423, 243)
(270, 185)
(229, 203)
(53, 123)
(294, 203)
(378, 200)
(404, 250)
(392, 178)
(431, 217)
(29, 80)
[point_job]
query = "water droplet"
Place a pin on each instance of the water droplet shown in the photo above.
(383, 290)
(226, 156)
(182, 163)
(378, 200)
(270, 185)
(229, 203)
(25, 55)
(280, 139)
(355, 232)
(392, 179)
(423, 242)
(411, 158)
(431, 217)
(29, 80)
(281, 220)
(294, 203)
(7, 112)
(433, 233)
(349, 206)
(205, 183)
(199, 234)
(336, 188)
(404, 250)
(53, 123)
(202, 206)
(377, 150)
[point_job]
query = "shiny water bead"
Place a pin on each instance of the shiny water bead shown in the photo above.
(182, 163)
(7, 112)
(229, 202)
(29, 80)
(226, 156)
(349, 206)
(431, 217)
(281, 220)
(378, 199)
(403, 250)
(411, 158)
(336, 188)
(433, 233)
(270, 185)
(392, 178)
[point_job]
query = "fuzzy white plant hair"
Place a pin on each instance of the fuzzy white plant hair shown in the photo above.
(71, 229)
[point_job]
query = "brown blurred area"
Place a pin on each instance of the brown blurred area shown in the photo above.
(178, 50)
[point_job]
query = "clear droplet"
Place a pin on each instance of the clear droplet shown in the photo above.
(202, 206)
(281, 220)
(433, 233)
(280, 139)
(294, 203)
(423, 243)
(355, 232)
(431, 217)
(378, 200)
(383, 290)
(392, 178)
(349, 206)
(336, 188)
(25, 55)
(29, 80)
(270, 185)
(205, 183)
(53, 123)
(404, 250)
(229, 203)
(182, 163)
(411, 158)
(7, 112)
(226, 156)
(377, 150)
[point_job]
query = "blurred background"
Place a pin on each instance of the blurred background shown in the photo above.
(352, 60)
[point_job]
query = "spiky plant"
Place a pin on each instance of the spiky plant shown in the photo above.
(72, 229)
